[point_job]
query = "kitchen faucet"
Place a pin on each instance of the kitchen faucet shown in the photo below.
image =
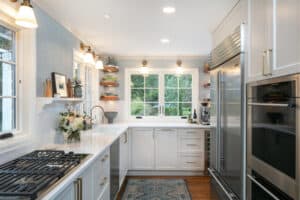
(102, 109)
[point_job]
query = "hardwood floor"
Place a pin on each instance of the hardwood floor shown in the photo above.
(199, 186)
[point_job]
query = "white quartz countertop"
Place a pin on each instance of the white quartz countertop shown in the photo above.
(93, 142)
(163, 125)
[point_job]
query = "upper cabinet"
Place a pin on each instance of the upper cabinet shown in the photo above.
(274, 38)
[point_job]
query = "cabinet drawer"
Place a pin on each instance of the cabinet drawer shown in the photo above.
(191, 145)
(191, 161)
(191, 133)
(142, 130)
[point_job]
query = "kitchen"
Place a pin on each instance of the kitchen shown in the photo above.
(108, 100)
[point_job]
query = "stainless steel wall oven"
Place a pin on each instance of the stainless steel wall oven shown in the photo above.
(273, 136)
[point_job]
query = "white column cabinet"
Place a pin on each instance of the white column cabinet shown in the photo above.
(166, 149)
(68, 193)
(142, 149)
(274, 38)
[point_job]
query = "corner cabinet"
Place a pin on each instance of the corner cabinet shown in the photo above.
(142, 149)
(274, 38)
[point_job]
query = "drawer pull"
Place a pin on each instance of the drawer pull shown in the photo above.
(104, 158)
(193, 145)
(191, 132)
(191, 162)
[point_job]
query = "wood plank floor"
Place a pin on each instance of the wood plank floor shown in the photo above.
(199, 186)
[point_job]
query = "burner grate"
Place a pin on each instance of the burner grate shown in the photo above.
(33, 172)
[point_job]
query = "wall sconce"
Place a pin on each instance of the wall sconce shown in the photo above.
(144, 69)
(25, 16)
(88, 55)
(99, 62)
(179, 69)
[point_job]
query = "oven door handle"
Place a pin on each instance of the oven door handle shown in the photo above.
(230, 196)
(262, 187)
(270, 104)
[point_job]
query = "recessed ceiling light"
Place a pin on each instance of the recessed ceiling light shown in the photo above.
(107, 16)
(165, 41)
(169, 10)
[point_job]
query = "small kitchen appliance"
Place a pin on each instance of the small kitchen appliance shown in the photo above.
(204, 113)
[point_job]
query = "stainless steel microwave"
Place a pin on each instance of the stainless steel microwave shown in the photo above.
(273, 137)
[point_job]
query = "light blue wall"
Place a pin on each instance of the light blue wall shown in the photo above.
(55, 46)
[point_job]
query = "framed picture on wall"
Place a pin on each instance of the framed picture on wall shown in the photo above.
(59, 84)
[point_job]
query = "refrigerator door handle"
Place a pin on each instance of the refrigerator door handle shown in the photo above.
(230, 195)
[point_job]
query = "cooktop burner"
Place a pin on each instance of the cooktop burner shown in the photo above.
(27, 175)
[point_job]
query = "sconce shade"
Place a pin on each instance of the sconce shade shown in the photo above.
(26, 17)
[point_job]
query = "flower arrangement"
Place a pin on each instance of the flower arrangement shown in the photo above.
(71, 124)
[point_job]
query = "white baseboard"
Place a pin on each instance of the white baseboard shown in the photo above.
(165, 173)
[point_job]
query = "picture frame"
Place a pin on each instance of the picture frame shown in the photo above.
(59, 85)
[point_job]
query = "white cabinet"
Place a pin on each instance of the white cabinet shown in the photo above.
(191, 153)
(124, 157)
(101, 172)
(286, 35)
(166, 149)
(68, 193)
(92, 184)
(274, 38)
(85, 182)
(142, 149)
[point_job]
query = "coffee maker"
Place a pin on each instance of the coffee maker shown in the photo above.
(205, 113)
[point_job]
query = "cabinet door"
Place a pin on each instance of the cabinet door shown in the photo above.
(260, 36)
(86, 184)
(166, 149)
(142, 149)
(124, 156)
(287, 32)
(67, 194)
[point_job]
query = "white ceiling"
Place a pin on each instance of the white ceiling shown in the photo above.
(136, 26)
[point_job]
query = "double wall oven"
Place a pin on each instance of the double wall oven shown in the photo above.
(273, 139)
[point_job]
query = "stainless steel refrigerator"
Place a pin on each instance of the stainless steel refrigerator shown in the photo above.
(227, 156)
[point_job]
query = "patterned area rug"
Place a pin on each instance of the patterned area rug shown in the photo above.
(156, 189)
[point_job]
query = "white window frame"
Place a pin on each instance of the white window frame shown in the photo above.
(18, 76)
(195, 93)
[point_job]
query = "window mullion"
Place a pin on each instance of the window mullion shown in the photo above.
(162, 93)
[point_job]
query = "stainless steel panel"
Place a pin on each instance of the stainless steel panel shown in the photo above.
(229, 48)
(231, 134)
(282, 181)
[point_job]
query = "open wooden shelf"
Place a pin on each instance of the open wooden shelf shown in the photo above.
(109, 83)
(109, 98)
(110, 69)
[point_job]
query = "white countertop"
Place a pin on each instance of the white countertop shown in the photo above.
(95, 142)
(179, 124)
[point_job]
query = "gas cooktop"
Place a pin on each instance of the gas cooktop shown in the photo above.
(28, 175)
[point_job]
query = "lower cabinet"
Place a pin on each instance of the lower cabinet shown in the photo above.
(92, 184)
(68, 193)
(124, 157)
(142, 149)
(166, 149)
